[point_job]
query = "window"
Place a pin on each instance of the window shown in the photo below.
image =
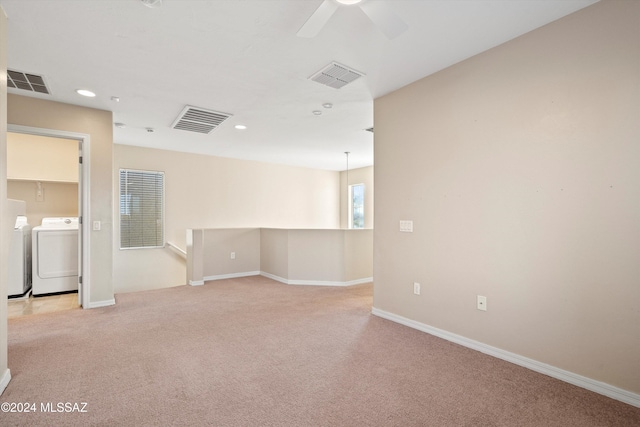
(141, 209)
(356, 206)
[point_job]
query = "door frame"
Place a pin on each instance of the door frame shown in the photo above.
(84, 198)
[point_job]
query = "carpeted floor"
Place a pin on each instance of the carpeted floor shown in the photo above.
(254, 352)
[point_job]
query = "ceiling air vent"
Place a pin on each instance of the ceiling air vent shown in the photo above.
(194, 119)
(26, 81)
(336, 75)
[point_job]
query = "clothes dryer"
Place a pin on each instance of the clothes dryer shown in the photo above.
(55, 256)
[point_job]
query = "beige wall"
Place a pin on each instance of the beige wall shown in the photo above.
(358, 254)
(41, 158)
(318, 257)
(4, 220)
(40, 113)
(274, 250)
(357, 176)
(218, 245)
(215, 192)
(52, 163)
(520, 168)
(60, 199)
(292, 256)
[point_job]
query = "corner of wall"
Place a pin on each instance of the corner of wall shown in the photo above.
(4, 243)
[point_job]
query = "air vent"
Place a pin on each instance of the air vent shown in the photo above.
(194, 119)
(26, 81)
(336, 75)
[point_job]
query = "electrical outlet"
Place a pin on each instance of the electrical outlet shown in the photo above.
(233, 255)
(406, 226)
(416, 288)
(482, 303)
(39, 192)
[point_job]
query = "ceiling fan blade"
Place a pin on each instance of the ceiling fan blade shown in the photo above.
(387, 21)
(317, 21)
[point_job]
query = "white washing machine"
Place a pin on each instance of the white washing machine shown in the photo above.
(55, 256)
(19, 268)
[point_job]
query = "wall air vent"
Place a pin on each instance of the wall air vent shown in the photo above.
(336, 75)
(26, 81)
(195, 119)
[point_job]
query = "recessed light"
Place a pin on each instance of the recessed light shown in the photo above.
(317, 112)
(119, 125)
(240, 127)
(152, 3)
(327, 105)
(85, 92)
(349, 1)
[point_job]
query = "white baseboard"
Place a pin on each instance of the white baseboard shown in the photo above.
(359, 281)
(315, 282)
(552, 371)
(232, 275)
(104, 303)
(196, 282)
(4, 381)
(274, 277)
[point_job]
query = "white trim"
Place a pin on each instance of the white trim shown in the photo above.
(85, 185)
(196, 282)
(315, 282)
(358, 281)
(274, 277)
(231, 276)
(4, 381)
(104, 303)
(552, 371)
(178, 250)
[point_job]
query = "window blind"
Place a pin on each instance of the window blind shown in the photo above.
(141, 209)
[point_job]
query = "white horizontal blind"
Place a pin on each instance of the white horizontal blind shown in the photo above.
(141, 209)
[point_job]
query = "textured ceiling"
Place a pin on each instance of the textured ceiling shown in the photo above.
(242, 57)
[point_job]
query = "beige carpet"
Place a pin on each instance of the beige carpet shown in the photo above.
(254, 352)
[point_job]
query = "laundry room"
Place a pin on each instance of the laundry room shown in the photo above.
(43, 173)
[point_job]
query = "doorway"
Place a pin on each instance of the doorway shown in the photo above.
(82, 142)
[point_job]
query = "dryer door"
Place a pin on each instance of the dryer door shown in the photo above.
(57, 253)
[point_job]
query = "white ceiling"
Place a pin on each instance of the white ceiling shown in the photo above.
(243, 57)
